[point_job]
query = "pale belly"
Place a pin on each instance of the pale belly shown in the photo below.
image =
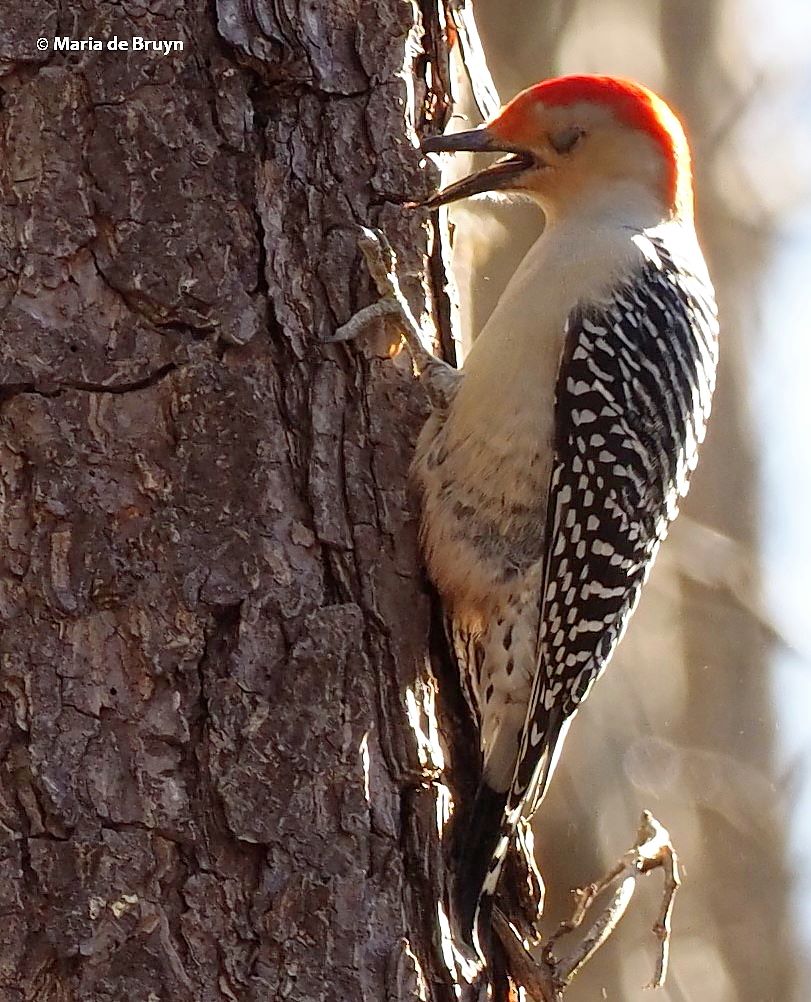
(497, 658)
(484, 512)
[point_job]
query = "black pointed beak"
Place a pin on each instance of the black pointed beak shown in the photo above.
(498, 176)
(473, 141)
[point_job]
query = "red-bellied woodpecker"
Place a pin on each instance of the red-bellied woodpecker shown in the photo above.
(552, 465)
(551, 476)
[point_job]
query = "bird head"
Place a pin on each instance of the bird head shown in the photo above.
(573, 138)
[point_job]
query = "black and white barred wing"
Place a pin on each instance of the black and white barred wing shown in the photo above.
(633, 398)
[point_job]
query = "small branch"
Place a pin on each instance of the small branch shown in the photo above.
(662, 929)
(538, 979)
(548, 978)
(598, 932)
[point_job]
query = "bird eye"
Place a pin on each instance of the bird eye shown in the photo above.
(566, 139)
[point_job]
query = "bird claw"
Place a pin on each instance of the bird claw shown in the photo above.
(379, 253)
(392, 304)
(439, 378)
(360, 322)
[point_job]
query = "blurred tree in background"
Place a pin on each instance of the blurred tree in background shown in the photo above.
(685, 721)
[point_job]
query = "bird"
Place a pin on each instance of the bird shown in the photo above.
(548, 479)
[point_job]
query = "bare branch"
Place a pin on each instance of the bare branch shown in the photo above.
(662, 929)
(599, 931)
(538, 979)
(546, 979)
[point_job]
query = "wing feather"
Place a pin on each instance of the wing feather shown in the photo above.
(632, 401)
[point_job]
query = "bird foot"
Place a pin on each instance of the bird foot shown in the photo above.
(440, 379)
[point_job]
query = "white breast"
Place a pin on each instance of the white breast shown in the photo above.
(483, 468)
(504, 410)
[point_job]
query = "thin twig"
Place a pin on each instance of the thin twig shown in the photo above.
(547, 977)
(662, 928)
(599, 931)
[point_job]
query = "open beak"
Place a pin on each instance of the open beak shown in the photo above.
(499, 175)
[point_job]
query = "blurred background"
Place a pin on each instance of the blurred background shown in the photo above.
(705, 714)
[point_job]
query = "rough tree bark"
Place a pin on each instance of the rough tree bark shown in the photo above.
(220, 772)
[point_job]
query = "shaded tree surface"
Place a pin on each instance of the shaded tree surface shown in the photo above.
(220, 767)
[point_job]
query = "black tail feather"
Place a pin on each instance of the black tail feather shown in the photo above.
(476, 845)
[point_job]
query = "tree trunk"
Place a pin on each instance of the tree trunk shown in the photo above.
(221, 775)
